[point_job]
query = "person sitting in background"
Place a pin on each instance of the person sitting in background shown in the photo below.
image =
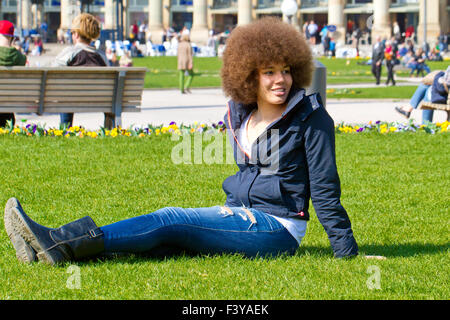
(435, 55)
(421, 58)
(9, 56)
(125, 60)
(85, 28)
(434, 88)
(112, 57)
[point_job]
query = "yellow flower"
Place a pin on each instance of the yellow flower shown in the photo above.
(157, 132)
(392, 129)
(141, 135)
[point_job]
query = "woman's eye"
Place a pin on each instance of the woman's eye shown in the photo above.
(268, 73)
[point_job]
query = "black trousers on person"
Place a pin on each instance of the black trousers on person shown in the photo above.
(376, 71)
(390, 71)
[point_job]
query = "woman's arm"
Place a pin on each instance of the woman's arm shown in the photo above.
(325, 184)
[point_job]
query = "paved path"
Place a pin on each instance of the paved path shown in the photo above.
(209, 105)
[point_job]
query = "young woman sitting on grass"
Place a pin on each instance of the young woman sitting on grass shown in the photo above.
(265, 66)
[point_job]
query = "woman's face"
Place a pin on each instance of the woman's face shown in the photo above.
(275, 82)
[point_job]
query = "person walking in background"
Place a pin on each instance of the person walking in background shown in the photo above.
(377, 59)
(390, 62)
(312, 30)
(185, 64)
(85, 28)
(9, 56)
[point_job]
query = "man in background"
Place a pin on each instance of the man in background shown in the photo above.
(377, 59)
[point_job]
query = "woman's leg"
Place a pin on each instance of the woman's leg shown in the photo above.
(181, 80)
(189, 80)
(427, 115)
(417, 97)
(201, 230)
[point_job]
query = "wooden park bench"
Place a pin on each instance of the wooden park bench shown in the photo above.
(111, 90)
(437, 106)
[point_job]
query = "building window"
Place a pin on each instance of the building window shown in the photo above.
(269, 3)
(221, 4)
(405, 1)
(182, 2)
(358, 1)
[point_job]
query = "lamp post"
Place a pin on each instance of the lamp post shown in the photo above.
(289, 8)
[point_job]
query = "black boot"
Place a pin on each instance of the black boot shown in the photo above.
(73, 241)
(24, 252)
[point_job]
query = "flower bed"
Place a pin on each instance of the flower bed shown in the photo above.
(173, 128)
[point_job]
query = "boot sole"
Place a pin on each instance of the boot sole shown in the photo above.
(24, 252)
(19, 223)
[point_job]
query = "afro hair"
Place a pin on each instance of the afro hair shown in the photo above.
(262, 43)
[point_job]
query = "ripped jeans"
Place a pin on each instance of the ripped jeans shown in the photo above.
(201, 230)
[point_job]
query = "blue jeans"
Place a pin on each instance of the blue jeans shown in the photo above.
(419, 95)
(201, 230)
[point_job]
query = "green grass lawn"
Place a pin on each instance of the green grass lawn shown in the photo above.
(163, 74)
(394, 187)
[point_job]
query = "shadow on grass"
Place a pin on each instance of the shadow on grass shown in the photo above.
(389, 251)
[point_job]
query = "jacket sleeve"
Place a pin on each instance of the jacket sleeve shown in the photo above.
(325, 185)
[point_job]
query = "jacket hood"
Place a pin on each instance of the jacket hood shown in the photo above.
(9, 56)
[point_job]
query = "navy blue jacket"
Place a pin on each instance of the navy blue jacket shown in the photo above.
(290, 163)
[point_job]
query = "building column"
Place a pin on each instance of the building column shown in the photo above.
(110, 15)
(37, 14)
(436, 20)
(244, 12)
(199, 32)
(24, 14)
(336, 17)
(69, 10)
(381, 21)
(155, 20)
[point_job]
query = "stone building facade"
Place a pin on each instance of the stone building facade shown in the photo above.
(200, 16)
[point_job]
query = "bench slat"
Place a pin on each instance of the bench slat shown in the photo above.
(16, 93)
(433, 106)
(20, 87)
(79, 87)
(78, 99)
(20, 81)
(61, 81)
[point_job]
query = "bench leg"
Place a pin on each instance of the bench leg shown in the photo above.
(448, 116)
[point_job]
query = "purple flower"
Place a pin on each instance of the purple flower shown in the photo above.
(172, 123)
(360, 130)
